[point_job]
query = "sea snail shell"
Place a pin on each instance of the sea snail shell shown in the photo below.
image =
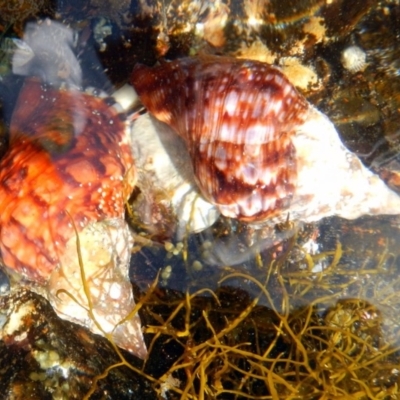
(66, 175)
(259, 150)
(68, 171)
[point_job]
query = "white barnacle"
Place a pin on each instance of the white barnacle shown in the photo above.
(354, 59)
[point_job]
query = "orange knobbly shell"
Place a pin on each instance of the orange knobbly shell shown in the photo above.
(237, 118)
(69, 163)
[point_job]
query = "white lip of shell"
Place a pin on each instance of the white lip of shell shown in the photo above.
(163, 163)
(154, 146)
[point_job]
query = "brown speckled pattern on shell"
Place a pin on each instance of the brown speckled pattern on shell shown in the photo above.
(68, 158)
(237, 118)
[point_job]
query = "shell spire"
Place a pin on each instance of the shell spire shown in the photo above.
(259, 150)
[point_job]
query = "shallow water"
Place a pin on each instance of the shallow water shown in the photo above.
(300, 311)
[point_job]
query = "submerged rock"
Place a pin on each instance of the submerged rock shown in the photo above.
(45, 357)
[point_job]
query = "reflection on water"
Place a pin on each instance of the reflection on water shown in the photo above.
(300, 311)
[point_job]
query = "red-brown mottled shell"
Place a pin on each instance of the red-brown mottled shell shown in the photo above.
(68, 158)
(237, 118)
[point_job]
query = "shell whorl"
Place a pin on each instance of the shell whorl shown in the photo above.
(237, 118)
